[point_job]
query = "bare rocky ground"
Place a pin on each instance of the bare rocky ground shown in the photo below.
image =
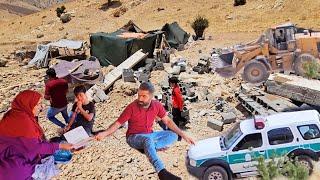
(112, 158)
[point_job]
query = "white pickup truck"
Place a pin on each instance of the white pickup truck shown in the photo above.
(294, 134)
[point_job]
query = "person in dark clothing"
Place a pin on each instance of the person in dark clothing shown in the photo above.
(83, 111)
(177, 102)
(56, 90)
(281, 37)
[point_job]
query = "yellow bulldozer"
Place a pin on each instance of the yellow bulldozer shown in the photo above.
(284, 48)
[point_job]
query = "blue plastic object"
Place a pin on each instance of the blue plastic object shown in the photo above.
(62, 156)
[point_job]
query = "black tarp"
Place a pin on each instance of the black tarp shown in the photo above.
(111, 49)
(175, 35)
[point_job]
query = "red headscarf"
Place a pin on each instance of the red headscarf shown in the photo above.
(19, 121)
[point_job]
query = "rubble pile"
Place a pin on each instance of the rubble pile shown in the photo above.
(210, 106)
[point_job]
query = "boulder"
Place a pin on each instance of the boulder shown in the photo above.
(3, 63)
(65, 18)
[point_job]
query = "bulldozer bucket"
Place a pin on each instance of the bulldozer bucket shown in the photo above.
(222, 64)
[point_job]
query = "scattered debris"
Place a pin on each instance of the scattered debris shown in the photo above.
(158, 66)
(259, 102)
(164, 55)
(215, 124)
(65, 18)
(120, 11)
(295, 87)
(116, 73)
(128, 75)
(40, 35)
(203, 65)
(96, 94)
(44, 52)
(228, 118)
(85, 71)
(180, 65)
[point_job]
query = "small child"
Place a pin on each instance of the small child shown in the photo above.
(83, 111)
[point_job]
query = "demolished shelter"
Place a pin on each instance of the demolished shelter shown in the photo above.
(130, 38)
(114, 48)
(43, 52)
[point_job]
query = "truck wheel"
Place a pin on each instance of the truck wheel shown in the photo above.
(255, 72)
(306, 162)
(300, 61)
(215, 173)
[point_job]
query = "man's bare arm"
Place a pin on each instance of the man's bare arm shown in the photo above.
(87, 116)
(71, 121)
(112, 128)
(171, 125)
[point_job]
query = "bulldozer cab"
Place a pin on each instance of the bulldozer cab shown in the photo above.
(282, 37)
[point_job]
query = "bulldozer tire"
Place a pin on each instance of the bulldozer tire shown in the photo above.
(255, 72)
(302, 59)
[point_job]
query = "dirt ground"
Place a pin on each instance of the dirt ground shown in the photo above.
(112, 158)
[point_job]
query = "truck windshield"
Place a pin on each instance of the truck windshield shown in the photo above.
(232, 136)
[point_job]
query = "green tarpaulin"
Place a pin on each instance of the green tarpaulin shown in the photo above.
(111, 49)
(175, 35)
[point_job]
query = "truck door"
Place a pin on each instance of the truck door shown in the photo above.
(280, 141)
(243, 156)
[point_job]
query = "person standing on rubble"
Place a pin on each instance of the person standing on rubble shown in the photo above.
(177, 102)
(141, 115)
(56, 90)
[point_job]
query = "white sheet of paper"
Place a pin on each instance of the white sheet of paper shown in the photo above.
(78, 137)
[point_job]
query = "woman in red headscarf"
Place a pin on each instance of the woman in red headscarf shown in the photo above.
(22, 142)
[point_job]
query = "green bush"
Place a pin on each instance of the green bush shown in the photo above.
(60, 10)
(311, 69)
(239, 2)
(283, 166)
(199, 25)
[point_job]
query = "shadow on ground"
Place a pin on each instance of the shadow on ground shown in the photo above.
(113, 5)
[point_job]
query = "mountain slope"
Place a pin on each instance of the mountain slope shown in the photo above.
(92, 16)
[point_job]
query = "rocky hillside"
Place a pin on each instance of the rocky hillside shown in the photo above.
(226, 21)
(11, 9)
(44, 3)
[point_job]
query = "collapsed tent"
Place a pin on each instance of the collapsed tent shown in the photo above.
(114, 48)
(85, 71)
(175, 35)
(43, 51)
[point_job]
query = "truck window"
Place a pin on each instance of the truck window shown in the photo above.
(232, 136)
(280, 136)
(310, 131)
(249, 141)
